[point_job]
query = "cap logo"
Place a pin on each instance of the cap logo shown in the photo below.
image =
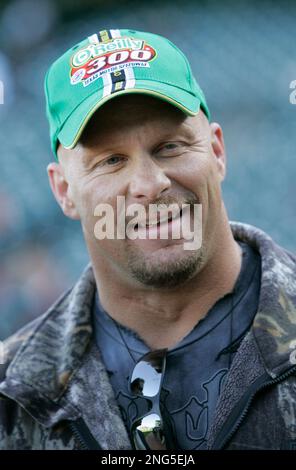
(91, 62)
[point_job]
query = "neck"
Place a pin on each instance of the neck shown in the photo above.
(163, 317)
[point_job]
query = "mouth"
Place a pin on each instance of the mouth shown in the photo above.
(158, 222)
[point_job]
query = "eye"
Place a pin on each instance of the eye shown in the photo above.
(169, 146)
(108, 164)
(113, 160)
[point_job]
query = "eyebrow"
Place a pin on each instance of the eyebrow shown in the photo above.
(87, 159)
(183, 129)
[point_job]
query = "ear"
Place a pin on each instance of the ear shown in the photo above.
(217, 143)
(60, 189)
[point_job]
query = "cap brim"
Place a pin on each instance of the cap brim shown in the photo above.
(76, 122)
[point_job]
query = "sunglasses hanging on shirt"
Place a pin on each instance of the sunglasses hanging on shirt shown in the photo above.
(146, 381)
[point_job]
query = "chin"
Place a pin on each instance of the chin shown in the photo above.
(166, 269)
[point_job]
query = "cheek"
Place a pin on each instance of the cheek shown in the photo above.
(93, 194)
(200, 176)
(194, 174)
(214, 195)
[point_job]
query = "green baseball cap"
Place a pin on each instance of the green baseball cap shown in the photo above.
(111, 63)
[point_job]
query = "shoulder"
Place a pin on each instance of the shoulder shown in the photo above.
(16, 425)
(13, 344)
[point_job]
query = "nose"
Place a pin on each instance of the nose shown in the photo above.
(148, 180)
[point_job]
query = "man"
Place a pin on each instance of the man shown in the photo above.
(156, 346)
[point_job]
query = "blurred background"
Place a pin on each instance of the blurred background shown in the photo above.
(243, 55)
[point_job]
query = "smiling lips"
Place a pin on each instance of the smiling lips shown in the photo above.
(159, 220)
(161, 228)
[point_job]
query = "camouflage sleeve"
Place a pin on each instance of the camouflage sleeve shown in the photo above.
(19, 431)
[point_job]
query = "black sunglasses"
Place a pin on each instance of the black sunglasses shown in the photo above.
(146, 381)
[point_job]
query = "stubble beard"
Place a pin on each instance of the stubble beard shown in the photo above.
(169, 273)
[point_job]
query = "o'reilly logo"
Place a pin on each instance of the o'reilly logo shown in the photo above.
(96, 59)
(95, 50)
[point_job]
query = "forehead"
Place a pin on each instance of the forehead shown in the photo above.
(123, 115)
(126, 112)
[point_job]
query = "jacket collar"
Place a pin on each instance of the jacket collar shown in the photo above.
(58, 374)
(46, 374)
(274, 327)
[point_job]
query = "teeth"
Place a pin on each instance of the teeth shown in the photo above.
(164, 219)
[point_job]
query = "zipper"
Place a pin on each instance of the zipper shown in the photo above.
(233, 422)
(83, 435)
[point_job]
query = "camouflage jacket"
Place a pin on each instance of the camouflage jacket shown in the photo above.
(55, 392)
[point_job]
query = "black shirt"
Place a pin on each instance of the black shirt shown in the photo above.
(196, 367)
